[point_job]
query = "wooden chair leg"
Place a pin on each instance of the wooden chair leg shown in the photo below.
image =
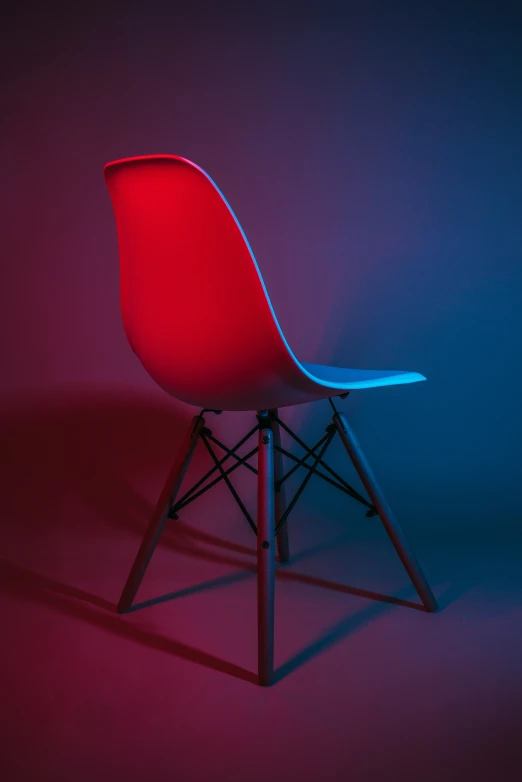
(265, 552)
(160, 514)
(282, 541)
(386, 515)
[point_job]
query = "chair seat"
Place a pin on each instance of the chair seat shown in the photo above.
(341, 379)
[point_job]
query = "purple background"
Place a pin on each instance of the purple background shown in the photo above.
(372, 153)
(373, 158)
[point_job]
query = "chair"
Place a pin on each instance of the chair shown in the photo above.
(197, 314)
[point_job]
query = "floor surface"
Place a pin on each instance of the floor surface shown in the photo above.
(366, 689)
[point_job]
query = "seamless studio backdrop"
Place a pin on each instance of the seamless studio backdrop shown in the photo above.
(373, 158)
(372, 153)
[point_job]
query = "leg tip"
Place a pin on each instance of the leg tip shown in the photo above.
(265, 675)
(264, 682)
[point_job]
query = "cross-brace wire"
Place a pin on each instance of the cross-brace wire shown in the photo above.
(312, 469)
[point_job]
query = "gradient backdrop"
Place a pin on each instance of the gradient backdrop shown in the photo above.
(372, 153)
(373, 157)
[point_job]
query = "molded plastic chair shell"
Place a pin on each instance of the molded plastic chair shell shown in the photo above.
(195, 308)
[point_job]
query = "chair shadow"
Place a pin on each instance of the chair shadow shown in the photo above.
(94, 446)
(340, 631)
(83, 605)
(381, 602)
(282, 572)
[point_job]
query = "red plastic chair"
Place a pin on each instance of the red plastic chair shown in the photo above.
(197, 314)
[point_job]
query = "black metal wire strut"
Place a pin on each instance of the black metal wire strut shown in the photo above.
(203, 484)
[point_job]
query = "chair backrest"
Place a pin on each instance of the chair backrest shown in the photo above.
(195, 308)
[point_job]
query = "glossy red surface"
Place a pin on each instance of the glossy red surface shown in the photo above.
(195, 308)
